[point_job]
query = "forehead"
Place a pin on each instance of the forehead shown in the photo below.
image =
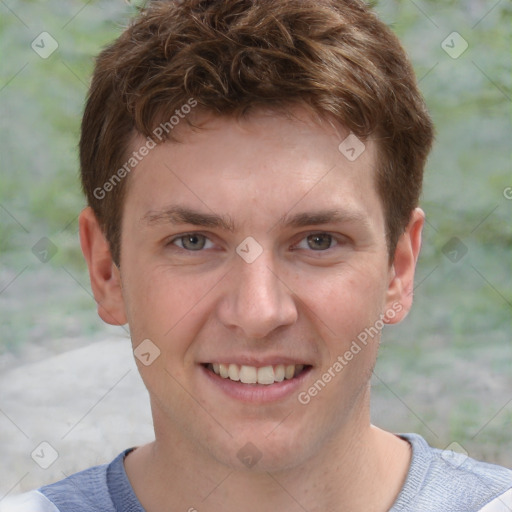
(265, 165)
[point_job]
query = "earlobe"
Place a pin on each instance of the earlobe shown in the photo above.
(104, 274)
(401, 284)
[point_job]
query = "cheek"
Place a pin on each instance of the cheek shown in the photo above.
(168, 311)
(343, 303)
(165, 307)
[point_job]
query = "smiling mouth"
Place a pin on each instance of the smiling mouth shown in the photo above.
(265, 375)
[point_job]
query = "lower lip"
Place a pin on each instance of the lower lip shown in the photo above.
(257, 393)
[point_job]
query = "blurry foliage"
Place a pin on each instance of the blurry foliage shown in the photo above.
(457, 309)
(457, 338)
(41, 109)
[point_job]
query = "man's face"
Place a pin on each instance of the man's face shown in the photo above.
(256, 243)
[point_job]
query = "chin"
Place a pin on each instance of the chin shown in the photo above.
(265, 447)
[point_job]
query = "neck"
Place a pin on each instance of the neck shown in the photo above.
(361, 467)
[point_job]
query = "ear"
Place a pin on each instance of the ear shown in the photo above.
(401, 283)
(104, 274)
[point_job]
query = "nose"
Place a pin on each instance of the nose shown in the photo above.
(257, 300)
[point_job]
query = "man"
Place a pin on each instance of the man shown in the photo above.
(253, 170)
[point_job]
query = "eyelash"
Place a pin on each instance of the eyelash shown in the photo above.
(339, 240)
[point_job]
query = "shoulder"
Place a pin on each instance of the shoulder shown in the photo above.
(440, 480)
(502, 503)
(86, 491)
(32, 501)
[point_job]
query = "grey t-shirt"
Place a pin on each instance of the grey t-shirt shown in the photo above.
(437, 481)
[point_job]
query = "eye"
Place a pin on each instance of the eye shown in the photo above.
(192, 242)
(317, 242)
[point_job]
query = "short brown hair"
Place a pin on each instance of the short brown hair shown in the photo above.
(233, 56)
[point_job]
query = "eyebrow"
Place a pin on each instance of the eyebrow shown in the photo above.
(322, 217)
(183, 215)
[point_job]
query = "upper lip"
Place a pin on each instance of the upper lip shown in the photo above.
(258, 362)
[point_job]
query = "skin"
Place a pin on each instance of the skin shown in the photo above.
(303, 297)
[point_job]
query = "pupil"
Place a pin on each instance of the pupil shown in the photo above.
(193, 242)
(320, 242)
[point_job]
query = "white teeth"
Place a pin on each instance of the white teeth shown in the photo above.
(233, 372)
(251, 375)
(248, 374)
(223, 370)
(266, 375)
(289, 371)
(279, 373)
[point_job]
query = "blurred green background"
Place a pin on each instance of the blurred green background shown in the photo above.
(446, 372)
